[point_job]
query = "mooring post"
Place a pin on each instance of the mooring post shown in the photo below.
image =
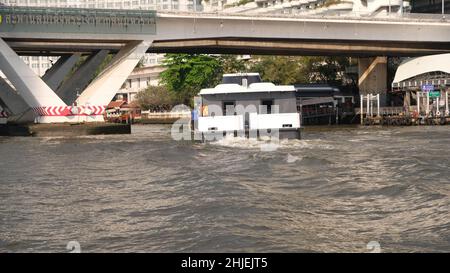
(418, 102)
(368, 105)
(378, 105)
(361, 110)
(438, 112)
(446, 104)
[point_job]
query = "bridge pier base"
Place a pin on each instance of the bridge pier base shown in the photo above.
(372, 78)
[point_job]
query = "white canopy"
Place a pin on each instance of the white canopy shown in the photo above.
(416, 66)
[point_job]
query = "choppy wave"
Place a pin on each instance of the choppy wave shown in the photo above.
(334, 190)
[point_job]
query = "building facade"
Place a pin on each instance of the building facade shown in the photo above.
(365, 7)
(138, 80)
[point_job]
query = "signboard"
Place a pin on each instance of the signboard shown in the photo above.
(77, 20)
(434, 94)
(427, 87)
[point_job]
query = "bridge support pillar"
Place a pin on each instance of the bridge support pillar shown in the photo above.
(56, 74)
(19, 110)
(102, 90)
(30, 86)
(81, 77)
(91, 104)
(372, 74)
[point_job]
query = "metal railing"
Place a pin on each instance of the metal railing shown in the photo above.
(363, 16)
(152, 14)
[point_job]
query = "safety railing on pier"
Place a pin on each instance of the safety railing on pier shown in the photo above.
(432, 108)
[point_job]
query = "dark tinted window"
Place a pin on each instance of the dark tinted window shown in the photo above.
(266, 106)
(228, 108)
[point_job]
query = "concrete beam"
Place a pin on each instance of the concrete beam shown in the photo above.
(297, 47)
(19, 111)
(56, 74)
(2, 104)
(81, 77)
(427, 34)
(3, 114)
(67, 46)
(240, 45)
(12, 100)
(30, 86)
(102, 90)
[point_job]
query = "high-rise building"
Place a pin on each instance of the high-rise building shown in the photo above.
(107, 4)
(372, 7)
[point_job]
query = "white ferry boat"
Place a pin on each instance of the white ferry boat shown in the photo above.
(244, 106)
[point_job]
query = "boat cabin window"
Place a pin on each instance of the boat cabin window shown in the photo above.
(266, 106)
(228, 108)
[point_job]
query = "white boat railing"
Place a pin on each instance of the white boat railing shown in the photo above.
(221, 123)
(274, 121)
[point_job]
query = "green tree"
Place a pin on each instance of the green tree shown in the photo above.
(325, 69)
(186, 74)
(231, 64)
(155, 98)
(280, 69)
(292, 69)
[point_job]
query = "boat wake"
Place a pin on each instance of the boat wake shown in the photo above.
(269, 145)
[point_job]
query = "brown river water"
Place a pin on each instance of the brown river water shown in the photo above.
(335, 190)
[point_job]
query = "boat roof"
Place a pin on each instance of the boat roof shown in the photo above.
(259, 87)
(241, 74)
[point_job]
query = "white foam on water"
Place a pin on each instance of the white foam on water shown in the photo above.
(267, 145)
(240, 142)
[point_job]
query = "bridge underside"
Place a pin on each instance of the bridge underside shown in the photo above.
(303, 47)
(372, 72)
(232, 45)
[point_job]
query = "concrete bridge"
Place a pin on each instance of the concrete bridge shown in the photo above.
(129, 34)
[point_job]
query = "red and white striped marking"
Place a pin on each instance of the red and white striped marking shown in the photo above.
(63, 111)
(3, 114)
